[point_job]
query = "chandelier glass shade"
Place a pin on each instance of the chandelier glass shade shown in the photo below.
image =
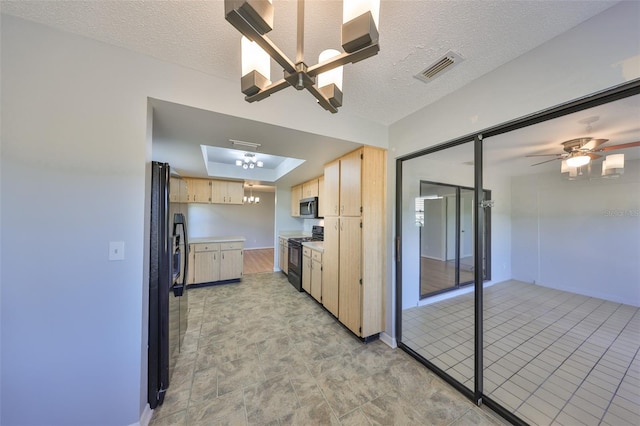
(254, 18)
(613, 166)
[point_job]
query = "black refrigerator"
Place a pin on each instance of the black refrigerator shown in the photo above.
(168, 266)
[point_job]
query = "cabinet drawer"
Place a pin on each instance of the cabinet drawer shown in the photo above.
(235, 245)
(306, 251)
(205, 247)
(316, 255)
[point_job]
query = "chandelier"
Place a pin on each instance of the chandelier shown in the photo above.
(254, 18)
(249, 162)
(251, 199)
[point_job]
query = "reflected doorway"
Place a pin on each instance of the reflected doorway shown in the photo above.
(444, 214)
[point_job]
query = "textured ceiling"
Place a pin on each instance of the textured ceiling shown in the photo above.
(412, 35)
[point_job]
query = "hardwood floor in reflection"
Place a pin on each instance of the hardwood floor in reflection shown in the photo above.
(437, 275)
(257, 261)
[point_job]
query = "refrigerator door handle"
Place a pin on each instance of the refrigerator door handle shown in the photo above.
(178, 289)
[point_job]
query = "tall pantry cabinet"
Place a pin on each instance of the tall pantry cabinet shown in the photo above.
(354, 240)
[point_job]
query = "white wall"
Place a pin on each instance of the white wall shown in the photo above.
(602, 52)
(579, 236)
(255, 222)
(75, 152)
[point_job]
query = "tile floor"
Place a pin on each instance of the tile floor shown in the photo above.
(551, 357)
(259, 352)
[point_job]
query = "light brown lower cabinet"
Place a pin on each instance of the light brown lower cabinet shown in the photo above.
(306, 269)
(210, 262)
(350, 288)
(283, 258)
(231, 258)
(312, 272)
(331, 264)
(316, 275)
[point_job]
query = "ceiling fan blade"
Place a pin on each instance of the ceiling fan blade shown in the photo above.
(594, 156)
(548, 161)
(593, 144)
(621, 146)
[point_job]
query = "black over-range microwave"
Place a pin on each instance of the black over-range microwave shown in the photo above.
(309, 208)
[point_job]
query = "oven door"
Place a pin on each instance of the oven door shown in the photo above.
(294, 257)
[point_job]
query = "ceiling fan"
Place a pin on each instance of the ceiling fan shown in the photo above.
(580, 151)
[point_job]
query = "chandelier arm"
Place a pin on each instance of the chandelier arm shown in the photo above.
(247, 30)
(300, 36)
(323, 101)
(343, 59)
(267, 91)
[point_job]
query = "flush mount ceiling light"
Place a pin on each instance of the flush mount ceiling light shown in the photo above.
(249, 161)
(254, 18)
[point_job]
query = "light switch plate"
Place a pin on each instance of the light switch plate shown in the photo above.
(116, 250)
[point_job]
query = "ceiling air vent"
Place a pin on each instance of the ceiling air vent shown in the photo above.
(439, 67)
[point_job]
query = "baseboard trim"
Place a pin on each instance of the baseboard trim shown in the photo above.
(388, 340)
(145, 417)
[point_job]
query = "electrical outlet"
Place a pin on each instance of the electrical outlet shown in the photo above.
(116, 250)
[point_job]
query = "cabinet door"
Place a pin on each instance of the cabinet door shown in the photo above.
(199, 191)
(350, 184)
(330, 259)
(306, 274)
(230, 264)
(235, 193)
(331, 196)
(218, 191)
(206, 266)
(174, 190)
(321, 197)
(310, 189)
(285, 257)
(191, 277)
(316, 279)
(349, 297)
(296, 195)
(184, 191)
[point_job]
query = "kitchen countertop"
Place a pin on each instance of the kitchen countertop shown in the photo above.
(293, 234)
(223, 239)
(315, 245)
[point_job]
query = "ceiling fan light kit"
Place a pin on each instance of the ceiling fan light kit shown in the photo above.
(254, 18)
(579, 153)
(578, 160)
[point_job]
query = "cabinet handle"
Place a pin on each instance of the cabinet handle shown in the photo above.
(342, 209)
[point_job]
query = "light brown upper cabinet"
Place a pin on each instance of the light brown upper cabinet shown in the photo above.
(178, 190)
(198, 190)
(296, 195)
(310, 189)
(331, 199)
(321, 197)
(227, 192)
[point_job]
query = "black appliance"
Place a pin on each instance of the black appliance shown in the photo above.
(295, 255)
(309, 208)
(168, 265)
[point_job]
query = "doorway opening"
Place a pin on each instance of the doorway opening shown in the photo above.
(444, 216)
